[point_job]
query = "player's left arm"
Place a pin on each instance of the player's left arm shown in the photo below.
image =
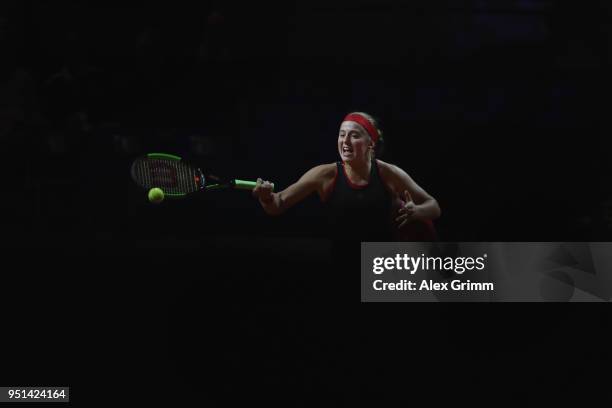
(418, 203)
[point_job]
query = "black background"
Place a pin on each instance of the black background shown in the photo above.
(498, 109)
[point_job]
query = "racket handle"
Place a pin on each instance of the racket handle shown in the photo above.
(246, 185)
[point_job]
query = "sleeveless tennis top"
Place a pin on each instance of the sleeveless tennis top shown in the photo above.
(359, 213)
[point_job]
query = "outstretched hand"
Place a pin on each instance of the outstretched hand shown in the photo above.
(408, 212)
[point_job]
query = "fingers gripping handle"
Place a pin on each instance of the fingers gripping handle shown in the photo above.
(246, 185)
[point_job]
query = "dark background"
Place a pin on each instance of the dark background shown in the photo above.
(498, 109)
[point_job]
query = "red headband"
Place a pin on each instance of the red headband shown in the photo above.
(367, 125)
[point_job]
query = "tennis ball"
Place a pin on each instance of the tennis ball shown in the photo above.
(156, 195)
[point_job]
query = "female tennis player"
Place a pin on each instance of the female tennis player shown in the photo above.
(366, 198)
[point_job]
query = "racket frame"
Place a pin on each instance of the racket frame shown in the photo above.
(201, 179)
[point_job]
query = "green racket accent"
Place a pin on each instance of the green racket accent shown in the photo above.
(237, 184)
(244, 185)
(175, 195)
(163, 156)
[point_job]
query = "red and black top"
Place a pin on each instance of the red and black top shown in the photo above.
(359, 213)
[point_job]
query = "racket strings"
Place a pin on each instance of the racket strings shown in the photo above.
(171, 176)
(185, 179)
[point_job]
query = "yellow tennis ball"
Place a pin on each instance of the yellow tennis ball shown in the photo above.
(156, 195)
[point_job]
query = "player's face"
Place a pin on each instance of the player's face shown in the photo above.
(353, 142)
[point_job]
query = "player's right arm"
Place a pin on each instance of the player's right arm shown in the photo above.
(277, 203)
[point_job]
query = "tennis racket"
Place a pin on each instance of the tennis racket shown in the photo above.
(178, 178)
